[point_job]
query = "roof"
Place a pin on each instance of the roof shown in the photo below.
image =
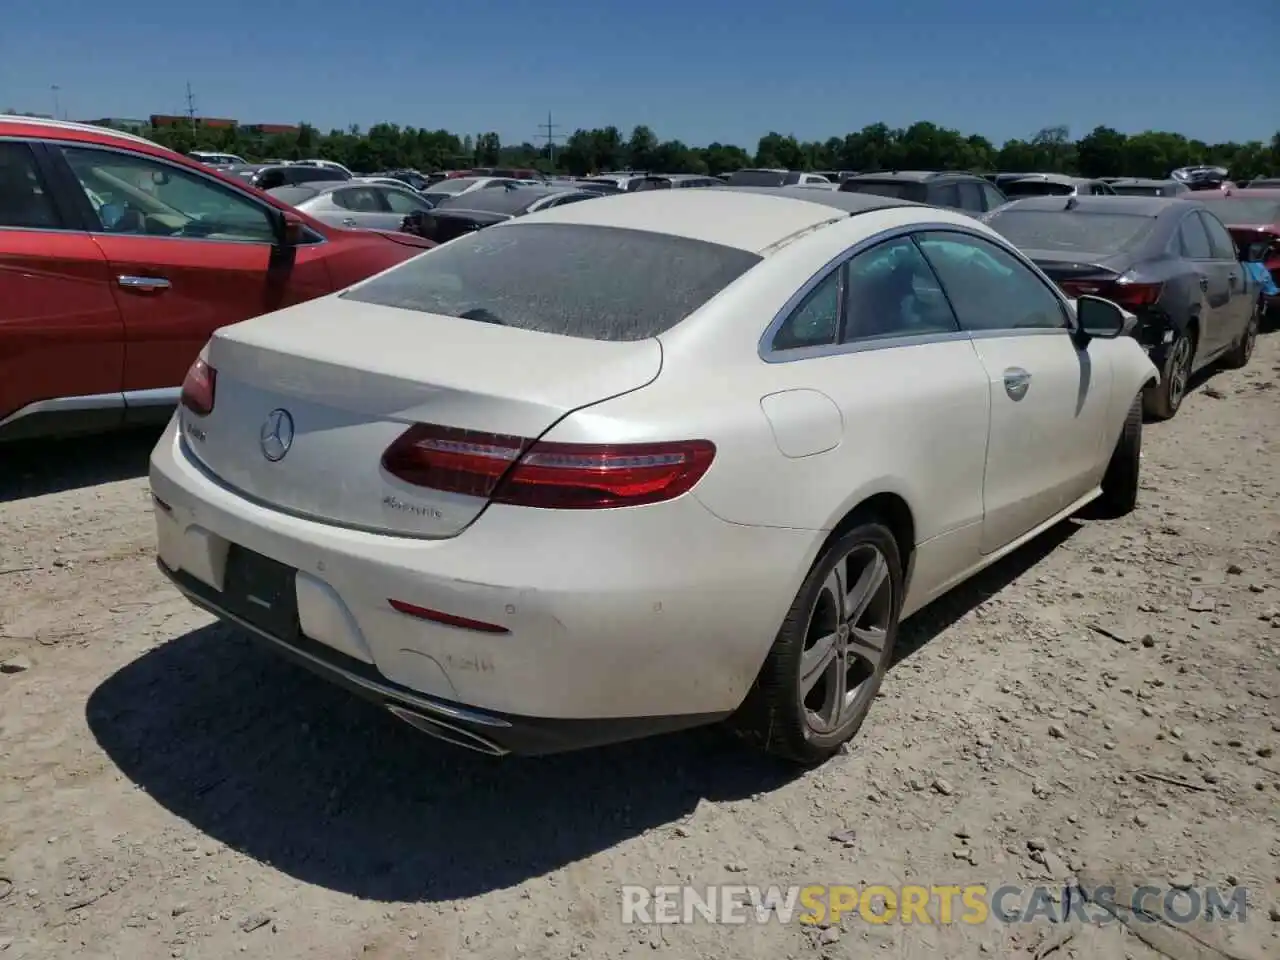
(43, 125)
(1053, 178)
(918, 176)
(747, 218)
(848, 202)
(1138, 182)
(508, 200)
(1133, 206)
(1245, 193)
(295, 193)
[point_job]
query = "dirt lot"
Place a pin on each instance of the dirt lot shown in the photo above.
(167, 788)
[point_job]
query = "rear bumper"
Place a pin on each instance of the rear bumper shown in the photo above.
(486, 732)
(621, 622)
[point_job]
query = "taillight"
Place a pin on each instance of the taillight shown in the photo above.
(198, 388)
(564, 476)
(1130, 295)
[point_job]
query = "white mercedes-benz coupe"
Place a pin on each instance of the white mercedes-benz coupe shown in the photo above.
(643, 463)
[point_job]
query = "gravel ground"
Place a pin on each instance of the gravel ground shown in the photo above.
(168, 788)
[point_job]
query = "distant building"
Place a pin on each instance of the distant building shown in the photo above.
(119, 123)
(269, 129)
(215, 123)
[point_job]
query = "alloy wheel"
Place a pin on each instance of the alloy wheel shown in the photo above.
(1251, 335)
(1179, 370)
(846, 641)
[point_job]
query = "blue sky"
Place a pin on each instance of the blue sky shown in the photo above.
(697, 70)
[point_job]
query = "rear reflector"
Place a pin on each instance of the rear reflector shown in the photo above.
(448, 619)
(198, 388)
(564, 476)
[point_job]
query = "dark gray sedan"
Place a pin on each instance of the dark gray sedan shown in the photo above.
(1169, 261)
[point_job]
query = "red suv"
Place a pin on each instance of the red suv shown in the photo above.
(118, 260)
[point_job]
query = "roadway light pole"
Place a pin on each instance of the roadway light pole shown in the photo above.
(56, 105)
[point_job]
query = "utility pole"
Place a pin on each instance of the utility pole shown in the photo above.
(56, 106)
(549, 134)
(191, 108)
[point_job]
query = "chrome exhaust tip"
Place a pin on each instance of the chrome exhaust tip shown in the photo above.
(447, 732)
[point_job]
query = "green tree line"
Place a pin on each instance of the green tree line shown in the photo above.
(921, 146)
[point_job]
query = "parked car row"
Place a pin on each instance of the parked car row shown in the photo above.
(912, 391)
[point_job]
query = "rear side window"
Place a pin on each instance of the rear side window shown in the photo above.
(576, 280)
(1220, 242)
(993, 197)
(901, 189)
(945, 195)
(24, 201)
(1193, 239)
(970, 197)
(359, 199)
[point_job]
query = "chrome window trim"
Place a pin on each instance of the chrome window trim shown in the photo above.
(768, 354)
(199, 174)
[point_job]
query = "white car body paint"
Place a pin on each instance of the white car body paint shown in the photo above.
(660, 610)
(804, 422)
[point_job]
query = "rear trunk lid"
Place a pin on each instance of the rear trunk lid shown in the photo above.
(308, 399)
(1078, 272)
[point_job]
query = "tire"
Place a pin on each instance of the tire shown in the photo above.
(1243, 350)
(1162, 401)
(1120, 482)
(795, 716)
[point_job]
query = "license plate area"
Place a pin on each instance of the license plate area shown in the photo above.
(261, 591)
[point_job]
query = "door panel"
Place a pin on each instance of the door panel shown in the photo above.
(186, 254)
(1049, 399)
(1049, 402)
(61, 333)
(209, 285)
(1237, 310)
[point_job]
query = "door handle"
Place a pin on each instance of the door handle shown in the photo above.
(1204, 283)
(143, 284)
(1233, 278)
(348, 221)
(1016, 382)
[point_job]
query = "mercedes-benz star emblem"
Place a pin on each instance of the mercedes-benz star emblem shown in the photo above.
(276, 436)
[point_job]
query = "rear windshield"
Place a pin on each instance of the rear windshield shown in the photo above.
(756, 178)
(1066, 230)
(912, 190)
(1036, 188)
(509, 200)
(1142, 190)
(599, 283)
(1241, 210)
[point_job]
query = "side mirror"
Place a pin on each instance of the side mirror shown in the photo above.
(1100, 318)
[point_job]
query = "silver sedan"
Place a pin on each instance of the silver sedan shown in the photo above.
(354, 204)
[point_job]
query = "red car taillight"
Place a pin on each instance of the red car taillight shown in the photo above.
(198, 388)
(563, 476)
(1131, 296)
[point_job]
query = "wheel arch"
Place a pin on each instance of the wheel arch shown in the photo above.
(890, 508)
